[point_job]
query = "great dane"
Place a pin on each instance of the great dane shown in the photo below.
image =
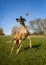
(22, 34)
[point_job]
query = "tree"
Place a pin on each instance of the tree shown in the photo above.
(1, 31)
(44, 25)
(38, 25)
(14, 30)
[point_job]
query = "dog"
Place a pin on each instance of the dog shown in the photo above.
(22, 34)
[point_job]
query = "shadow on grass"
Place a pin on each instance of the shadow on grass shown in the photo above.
(34, 47)
(26, 48)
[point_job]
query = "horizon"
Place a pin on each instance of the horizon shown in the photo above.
(11, 9)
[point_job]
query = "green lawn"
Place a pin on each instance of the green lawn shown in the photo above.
(34, 56)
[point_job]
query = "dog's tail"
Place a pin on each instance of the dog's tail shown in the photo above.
(8, 41)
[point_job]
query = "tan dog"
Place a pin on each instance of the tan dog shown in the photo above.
(22, 34)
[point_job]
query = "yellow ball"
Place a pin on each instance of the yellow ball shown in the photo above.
(27, 14)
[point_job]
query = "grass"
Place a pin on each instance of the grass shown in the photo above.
(34, 56)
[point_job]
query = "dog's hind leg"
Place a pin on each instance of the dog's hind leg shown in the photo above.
(30, 41)
(20, 45)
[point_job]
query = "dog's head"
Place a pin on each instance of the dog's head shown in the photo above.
(20, 20)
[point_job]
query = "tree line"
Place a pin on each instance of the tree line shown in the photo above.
(38, 26)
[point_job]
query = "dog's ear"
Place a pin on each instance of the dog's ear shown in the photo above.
(17, 19)
(24, 20)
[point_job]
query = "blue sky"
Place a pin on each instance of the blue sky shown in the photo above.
(11, 9)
